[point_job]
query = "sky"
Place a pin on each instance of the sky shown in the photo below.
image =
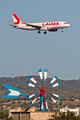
(23, 52)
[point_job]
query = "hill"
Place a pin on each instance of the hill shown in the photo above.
(67, 87)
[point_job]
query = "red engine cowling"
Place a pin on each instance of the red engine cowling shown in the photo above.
(53, 30)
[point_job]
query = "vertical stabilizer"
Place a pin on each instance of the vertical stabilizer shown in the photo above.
(16, 20)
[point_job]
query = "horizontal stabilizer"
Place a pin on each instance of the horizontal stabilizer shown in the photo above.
(13, 26)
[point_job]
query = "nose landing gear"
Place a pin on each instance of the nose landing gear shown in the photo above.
(61, 30)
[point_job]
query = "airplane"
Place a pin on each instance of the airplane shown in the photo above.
(42, 26)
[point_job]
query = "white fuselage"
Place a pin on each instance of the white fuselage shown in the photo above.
(44, 26)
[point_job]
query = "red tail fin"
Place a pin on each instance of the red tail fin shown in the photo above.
(16, 19)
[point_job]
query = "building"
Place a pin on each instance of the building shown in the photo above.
(66, 109)
(29, 113)
(14, 110)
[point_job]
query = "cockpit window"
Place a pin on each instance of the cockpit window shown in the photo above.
(65, 23)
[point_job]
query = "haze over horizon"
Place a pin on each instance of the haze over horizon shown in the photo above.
(23, 52)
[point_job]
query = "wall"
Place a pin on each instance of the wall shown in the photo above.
(20, 115)
(41, 115)
(31, 115)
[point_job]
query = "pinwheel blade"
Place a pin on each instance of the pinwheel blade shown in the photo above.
(40, 73)
(56, 84)
(58, 96)
(54, 101)
(33, 101)
(41, 107)
(46, 106)
(41, 102)
(41, 98)
(33, 80)
(45, 74)
(30, 96)
(55, 77)
(30, 84)
(13, 92)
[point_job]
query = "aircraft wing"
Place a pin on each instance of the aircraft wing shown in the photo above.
(36, 26)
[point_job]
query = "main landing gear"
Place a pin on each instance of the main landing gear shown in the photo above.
(39, 31)
(45, 32)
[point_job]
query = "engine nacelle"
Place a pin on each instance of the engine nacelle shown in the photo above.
(53, 30)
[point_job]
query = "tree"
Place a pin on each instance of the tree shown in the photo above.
(4, 116)
(65, 116)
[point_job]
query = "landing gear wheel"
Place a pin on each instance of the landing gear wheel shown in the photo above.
(39, 31)
(45, 32)
(61, 30)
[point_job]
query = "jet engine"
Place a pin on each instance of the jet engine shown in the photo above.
(53, 30)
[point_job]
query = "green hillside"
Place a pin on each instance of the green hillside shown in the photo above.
(67, 87)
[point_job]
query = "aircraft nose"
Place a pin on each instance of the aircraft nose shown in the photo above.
(69, 25)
